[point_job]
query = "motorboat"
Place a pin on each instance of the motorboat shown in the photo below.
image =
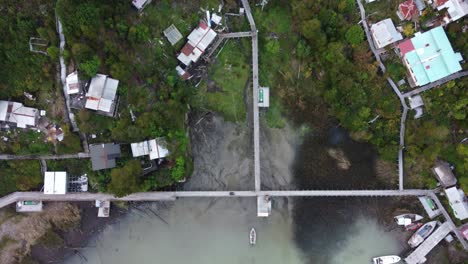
(407, 219)
(253, 236)
(422, 233)
(413, 226)
(386, 260)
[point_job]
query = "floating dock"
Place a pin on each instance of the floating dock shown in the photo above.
(419, 254)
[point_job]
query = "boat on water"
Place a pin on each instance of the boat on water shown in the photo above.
(422, 233)
(253, 236)
(386, 260)
(407, 219)
(413, 226)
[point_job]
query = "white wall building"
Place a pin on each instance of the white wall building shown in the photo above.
(385, 33)
(16, 114)
(198, 42)
(457, 201)
(55, 182)
(73, 83)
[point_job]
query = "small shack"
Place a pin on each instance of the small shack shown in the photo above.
(263, 206)
(103, 155)
(55, 182)
(73, 83)
(140, 4)
(172, 34)
(416, 103)
(17, 115)
(444, 174)
(458, 202)
(28, 206)
(103, 208)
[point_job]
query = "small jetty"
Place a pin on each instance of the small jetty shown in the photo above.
(419, 254)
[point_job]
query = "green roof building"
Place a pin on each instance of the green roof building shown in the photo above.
(429, 56)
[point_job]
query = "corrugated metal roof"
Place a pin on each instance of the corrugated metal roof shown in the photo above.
(3, 110)
(458, 202)
(101, 93)
(385, 33)
(172, 34)
(103, 155)
(433, 57)
(55, 182)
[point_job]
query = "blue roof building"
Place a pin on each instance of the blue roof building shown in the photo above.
(429, 56)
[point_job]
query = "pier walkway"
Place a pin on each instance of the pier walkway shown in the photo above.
(161, 196)
(419, 254)
(436, 83)
(256, 125)
(81, 155)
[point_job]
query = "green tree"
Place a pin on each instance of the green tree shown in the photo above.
(178, 171)
(312, 31)
(138, 34)
(355, 35)
(90, 67)
(53, 52)
(273, 47)
(124, 181)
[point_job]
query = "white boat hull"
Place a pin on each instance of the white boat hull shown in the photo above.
(419, 236)
(253, 236)
(386, 260)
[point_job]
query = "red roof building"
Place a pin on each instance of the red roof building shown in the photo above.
(407, 10)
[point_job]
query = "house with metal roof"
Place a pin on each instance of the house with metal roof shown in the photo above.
(429, 56)
(103, 155)
(458, 202)
(73, 84)
(407, 10)
(385, 33)
(140, 4)
(456, 9)
(55, 182)
(17, 115)
(101, 93)
(198, 41)
(154, 148)
(443, 172)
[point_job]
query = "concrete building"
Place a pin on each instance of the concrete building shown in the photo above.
(429, 56)
(384, 33)
(73, 83)
(28, 206)
(154, 148)
(458, 202)
(103, 155)
(101, 94)
(17, 115)
(140, 4)
(172, 34)
(198, 41)
(55, 182)
(444, 174)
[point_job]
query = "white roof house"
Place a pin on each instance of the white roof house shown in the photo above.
(140, 4)
(458, 202)
(198, 41)
(101, 93)
(385, 33)
(18, 114)
(55, 182)
(155, 148)
(73, 83)
(456, 8)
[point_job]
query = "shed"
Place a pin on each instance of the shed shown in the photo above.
(103, 208)
(264, 97)
(198, 41)
(444, 174)
(415, 101)
(73, 83)
(457, 201)
(140, 4)
(101, 93)
(103, 155)
(172, 34)
(385, 33)
(55, 182)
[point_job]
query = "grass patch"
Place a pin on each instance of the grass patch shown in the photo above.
(224, 93)
(5, 241)
(274, 116)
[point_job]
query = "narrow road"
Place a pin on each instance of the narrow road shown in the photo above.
(158, 196)
(395, 89)
(436, 83)
(80, 155)
(256, 124)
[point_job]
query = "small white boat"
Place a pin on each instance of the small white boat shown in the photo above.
(386, 260)
(253, 236)
(422, 233)
(407, 219)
